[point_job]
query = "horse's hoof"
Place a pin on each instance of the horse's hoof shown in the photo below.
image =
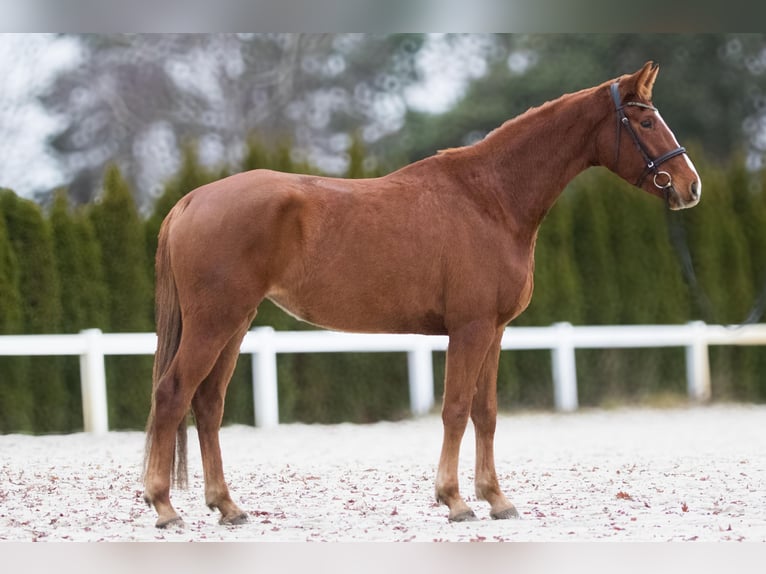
(166, 522)
(510, 512)
(235, 520)
(466, 516)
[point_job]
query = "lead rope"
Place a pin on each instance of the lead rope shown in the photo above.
(677, 234)
(759, 307)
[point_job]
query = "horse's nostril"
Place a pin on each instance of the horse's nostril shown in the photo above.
(695, 190)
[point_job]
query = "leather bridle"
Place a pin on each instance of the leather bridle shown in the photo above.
(652, 164)
(677, 232)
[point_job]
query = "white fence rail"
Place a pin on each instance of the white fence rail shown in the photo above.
(264, 343)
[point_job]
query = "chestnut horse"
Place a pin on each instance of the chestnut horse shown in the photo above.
(442, 246)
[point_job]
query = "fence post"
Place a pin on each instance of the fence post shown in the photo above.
(265, 401)
(564, 369)
(95, 414)
(698, 364)
(421, 376)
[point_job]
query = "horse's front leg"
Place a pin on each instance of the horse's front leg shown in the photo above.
(466, 354)
(484, 417)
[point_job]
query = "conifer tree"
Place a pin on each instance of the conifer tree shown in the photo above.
(83, 292)
(594, 258)
(78, 258)
(15, 395)
(356, 157)
(758, 248)
(118, 229)
(256, 155)
(121, 237)
(30, 237)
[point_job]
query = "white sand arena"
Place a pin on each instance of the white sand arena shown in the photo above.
(695, 473)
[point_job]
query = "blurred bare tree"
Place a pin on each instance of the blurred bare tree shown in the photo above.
(137, 98)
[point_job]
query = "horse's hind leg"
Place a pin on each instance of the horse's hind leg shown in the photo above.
(207, 405)
(197, 354)
(484, 417)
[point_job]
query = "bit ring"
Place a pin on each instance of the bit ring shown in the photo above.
(666, 185)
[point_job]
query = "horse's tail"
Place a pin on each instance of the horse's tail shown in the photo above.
(168, 323)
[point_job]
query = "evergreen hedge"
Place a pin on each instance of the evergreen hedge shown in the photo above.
(40, 303)
(603, 257)
(83, 289)
(15, 398)
(120, 233)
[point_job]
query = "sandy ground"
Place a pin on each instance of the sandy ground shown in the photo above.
(695, 473)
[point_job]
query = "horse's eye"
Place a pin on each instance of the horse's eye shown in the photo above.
(646, 123)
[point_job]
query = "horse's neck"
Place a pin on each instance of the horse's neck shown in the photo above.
(529, 160)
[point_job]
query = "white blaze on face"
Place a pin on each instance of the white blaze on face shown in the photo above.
(685, 156)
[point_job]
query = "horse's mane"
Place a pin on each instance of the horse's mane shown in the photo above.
(515, 121)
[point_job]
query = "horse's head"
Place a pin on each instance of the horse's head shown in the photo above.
(646, 152)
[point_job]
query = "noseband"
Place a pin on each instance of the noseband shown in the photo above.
(652, 164)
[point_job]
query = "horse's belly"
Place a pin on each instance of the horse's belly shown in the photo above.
(356, 313)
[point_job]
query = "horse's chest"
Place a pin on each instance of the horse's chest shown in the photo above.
(515, 291)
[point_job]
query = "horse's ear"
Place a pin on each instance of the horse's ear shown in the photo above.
(642, 82)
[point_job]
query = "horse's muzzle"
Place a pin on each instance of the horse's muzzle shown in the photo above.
(676, 200)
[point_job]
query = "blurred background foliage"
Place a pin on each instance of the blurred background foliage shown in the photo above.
(148, 118)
